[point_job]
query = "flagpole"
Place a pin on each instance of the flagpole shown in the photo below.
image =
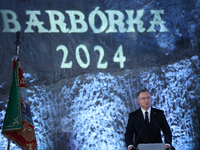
(8, 148)
(17, 42)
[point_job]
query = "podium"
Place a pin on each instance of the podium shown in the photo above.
(151, 146)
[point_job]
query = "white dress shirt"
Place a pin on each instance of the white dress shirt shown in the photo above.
(149, 113)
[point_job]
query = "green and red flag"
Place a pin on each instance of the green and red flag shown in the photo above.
(18, 123)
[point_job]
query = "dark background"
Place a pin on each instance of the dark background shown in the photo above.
(167, 63)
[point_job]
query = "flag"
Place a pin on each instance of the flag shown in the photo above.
(18, 123)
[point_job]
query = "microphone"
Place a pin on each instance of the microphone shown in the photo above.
(135, 143)
(171, 148)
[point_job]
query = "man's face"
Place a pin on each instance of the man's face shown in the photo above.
(144, 99)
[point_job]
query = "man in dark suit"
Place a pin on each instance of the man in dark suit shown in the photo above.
(146, 123)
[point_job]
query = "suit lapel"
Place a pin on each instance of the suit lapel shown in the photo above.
(140, 116)
(153, 115)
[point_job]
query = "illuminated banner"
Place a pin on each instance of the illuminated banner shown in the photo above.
(97, 21)
(84, 62)
(77, 18)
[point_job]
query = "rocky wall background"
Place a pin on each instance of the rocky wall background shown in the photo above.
(87, 108)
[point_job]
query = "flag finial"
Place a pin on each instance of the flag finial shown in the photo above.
(17, 42)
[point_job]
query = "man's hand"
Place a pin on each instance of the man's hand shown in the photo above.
(130, 148)
(167, 146)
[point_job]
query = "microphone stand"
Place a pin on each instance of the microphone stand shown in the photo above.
(171, 148)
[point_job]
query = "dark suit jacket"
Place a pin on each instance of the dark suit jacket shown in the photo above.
(136, 126)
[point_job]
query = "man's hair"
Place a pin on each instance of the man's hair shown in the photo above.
(143, 90)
